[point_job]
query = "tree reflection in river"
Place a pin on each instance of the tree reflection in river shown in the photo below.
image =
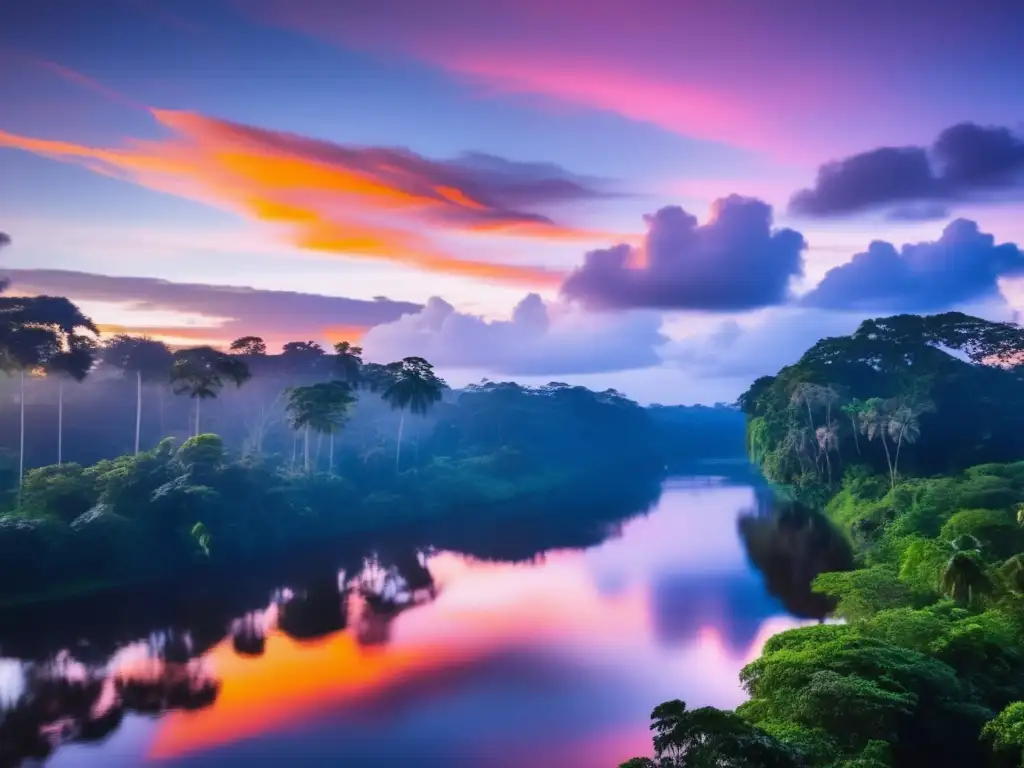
(65, 701)
(790, 545)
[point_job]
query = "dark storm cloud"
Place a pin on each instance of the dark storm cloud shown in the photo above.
(246, 310)
(963, 265)
(966, 162)
(5, 239)
(734, 262)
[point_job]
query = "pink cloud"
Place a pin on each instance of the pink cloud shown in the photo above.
(740, 72)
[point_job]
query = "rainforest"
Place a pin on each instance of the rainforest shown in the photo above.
(908, 435)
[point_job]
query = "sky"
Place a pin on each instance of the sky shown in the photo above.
(668, 197)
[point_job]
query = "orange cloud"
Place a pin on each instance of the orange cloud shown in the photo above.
(363, 202)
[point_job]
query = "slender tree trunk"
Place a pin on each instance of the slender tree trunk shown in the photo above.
(60, 422)
(319, 445)
(856, 440)
(295, 449)
(21, 445)
(198, 401)
(162, 405)
(888, 460)
(828, 464)
(896, 460)
(138, 410)
(305, 448)
(398, 447)
(810, 420)
(330, 455)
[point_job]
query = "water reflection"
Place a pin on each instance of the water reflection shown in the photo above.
(417, 656)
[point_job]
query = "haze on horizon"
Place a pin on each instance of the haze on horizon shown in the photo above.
(669, 198)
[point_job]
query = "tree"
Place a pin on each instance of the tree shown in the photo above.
(249, 346)
(34, 330)
(202, 372)
(852, 411)
(904, 424)
(874, 423)
(146, 359)
(350, 361)
(964, 577)
(414, 387)
(321, 408)
(1005, 733)
(693, 738)
(74, 362)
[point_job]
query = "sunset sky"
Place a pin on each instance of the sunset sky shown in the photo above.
(670, 197)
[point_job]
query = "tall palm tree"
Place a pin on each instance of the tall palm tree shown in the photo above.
(202, 372)
(874, 423)
(905, 425)
(350, 361)
(852, 410)
(73, 363)
(33, 330)
(321, 408)
(144, 358)
(414, 387)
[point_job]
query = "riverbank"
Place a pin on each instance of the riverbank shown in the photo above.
(929, 661)
(167, 512)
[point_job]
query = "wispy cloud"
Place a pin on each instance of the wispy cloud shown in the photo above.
(186, 312)
(363, 202)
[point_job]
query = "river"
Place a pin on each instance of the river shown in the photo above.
(555, 662)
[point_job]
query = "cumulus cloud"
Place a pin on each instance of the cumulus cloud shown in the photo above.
(364, 202)
(963, 265)
(539, 339)
(733, 262)
(221, 312)
(759, 345)
(966, 162)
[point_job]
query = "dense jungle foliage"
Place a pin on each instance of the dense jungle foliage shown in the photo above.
(308, 444)
(909, 432)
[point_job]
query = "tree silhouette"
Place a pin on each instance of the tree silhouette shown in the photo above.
(74, 362)
(350, 361)
(33, 331)
(414, 387)
(249, 346)
(144, 358)
(321, 408)
(202, 372)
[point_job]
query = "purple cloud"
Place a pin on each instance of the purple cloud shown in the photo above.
(735, 261)
(966, 161)
(5, 239)
(539, 339)
(233, 310)
(963, 265)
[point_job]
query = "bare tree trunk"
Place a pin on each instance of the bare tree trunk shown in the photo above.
(138, 410)
(319, 445)
(198, 401)
(21, 447)
(163, 405)
(60, 422)
(330, 456)
(398, 447)
(856, 440)
(888, 460)
(295, 449)
(896, 460)
(305, 448)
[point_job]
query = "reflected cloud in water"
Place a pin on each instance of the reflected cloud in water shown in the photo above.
(447, 660)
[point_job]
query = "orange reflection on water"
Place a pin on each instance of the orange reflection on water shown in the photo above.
(294, 680)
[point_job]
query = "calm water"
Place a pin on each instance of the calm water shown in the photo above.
(556, 662)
